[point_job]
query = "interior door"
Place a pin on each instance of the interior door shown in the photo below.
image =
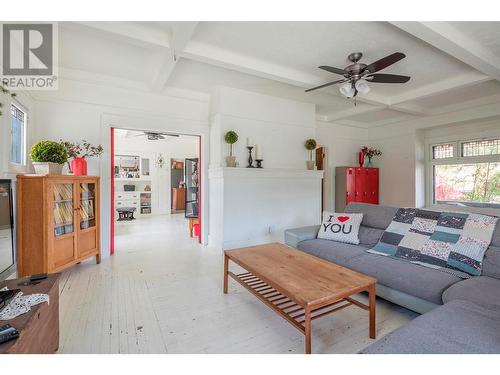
(87, 210)
(62, 215)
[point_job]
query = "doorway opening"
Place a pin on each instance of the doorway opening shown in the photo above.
(155, 182)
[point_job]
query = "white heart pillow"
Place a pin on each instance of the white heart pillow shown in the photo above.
(340, 227)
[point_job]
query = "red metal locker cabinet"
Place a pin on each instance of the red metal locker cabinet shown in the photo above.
(355, 184)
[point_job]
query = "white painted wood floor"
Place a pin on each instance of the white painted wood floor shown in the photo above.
(162, 293)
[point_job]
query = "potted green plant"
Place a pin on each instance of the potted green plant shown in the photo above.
(48, 157)
(80, 151)
(310, 145)
(231, 137)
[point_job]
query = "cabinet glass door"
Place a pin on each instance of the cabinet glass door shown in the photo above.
(63, 209)
(87, 205)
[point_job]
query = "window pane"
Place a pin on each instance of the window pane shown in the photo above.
(442, 151)
(17, 145)
(475, 184)
(481, 148)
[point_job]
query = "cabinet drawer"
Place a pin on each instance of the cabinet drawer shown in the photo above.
(127, 203)
(127, 195)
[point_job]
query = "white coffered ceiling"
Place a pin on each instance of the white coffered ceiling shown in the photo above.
(453, 65)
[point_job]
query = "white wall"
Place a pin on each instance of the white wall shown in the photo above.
(87, 111)
(249, 206)
(343, 144)
(278, 125)
(254, 206)
(170, 148)
(403, 164)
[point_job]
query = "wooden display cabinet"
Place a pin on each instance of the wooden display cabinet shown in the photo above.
(57, 222)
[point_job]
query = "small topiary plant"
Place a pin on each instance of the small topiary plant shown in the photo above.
(310, 144)
(230, 138)
(49, 152)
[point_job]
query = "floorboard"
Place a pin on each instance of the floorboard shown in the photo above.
(162, 293)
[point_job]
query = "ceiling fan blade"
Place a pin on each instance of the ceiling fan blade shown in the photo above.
(385, 62)
(327, 84)
(331, 69)
(387, 78)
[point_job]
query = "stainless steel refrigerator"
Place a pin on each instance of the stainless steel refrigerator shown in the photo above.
(6, 230)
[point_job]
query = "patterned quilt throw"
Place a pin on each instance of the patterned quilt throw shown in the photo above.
(443, 240)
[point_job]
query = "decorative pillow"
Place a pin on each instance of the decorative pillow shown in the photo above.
(340, 227)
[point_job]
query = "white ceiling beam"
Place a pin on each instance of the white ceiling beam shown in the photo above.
(129, 32)
(449, 39)
(353, 111)
(468, 104)
(410, 108)
(440, 87)
(181, 34)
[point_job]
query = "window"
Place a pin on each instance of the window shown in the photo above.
(18, 136)
(466, 173)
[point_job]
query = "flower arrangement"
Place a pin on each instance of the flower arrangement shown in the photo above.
(82, 150)
(370, 153)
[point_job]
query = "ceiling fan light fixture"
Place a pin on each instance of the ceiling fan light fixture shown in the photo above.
(347, 90)
(362, 86)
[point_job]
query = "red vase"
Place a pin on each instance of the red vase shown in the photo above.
(361, 158)
(79, 166)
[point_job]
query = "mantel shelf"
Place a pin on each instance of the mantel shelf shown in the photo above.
(226, 172)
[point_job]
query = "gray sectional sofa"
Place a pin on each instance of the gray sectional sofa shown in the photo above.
(459, 316)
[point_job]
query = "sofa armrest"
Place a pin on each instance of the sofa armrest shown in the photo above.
(296, 235)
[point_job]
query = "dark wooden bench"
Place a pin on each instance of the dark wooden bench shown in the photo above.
(125, 213)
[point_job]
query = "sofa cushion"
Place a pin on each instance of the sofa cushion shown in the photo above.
(374, 215)
(456, 327)
(491, 262)
(369, 237)
(423, 282)
(495, 240)
(481, 290)
(335, 252)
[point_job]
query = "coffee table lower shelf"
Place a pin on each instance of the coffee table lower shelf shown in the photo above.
(295, 314)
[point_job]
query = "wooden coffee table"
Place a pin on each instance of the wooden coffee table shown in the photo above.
(298, 286)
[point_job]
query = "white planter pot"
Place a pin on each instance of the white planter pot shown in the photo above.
(310, 165)
(231, 161)
(47, 168)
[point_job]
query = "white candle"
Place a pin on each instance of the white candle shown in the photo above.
(249, 142)
(258, 153)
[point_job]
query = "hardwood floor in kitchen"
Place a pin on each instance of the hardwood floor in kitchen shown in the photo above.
(162, 293)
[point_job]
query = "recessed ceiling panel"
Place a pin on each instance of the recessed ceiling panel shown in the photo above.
(485, 33)
(460, 95)
(305, 45)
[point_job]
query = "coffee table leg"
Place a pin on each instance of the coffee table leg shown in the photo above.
(372, 311)
(307, 325)
(226, 269)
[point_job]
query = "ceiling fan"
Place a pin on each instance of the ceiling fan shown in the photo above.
(358, 75)
(155, 136)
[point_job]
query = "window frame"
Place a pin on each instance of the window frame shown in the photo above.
(13, 166)
(457, 159)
